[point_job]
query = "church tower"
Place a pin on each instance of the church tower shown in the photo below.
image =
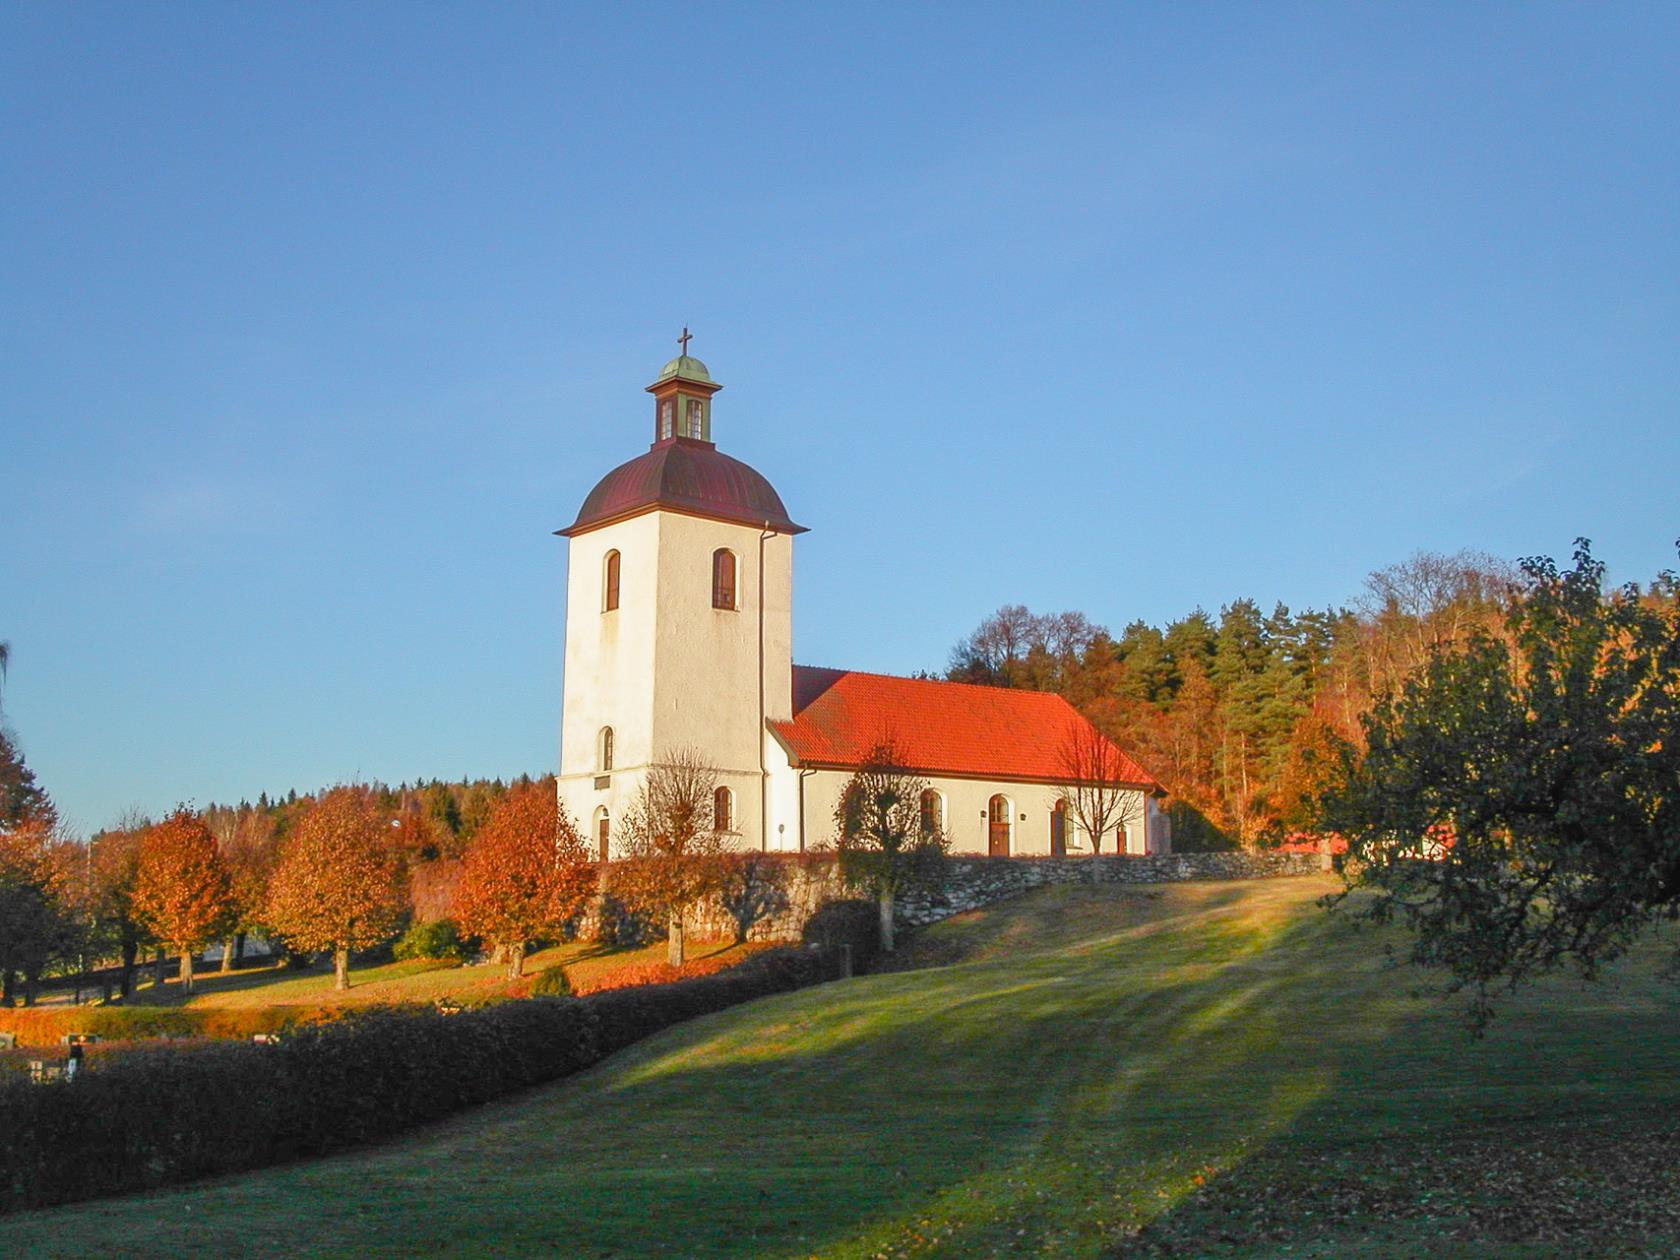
(679, 620)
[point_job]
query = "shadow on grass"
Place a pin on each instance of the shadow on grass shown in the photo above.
(1047, 1103)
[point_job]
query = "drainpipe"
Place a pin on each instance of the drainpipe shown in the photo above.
(803, 775)
(763, 766)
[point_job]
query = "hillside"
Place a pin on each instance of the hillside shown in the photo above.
(1219, 1064)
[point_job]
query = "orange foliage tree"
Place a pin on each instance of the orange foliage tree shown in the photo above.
(525, 873)
(672, 844)
(181, 891)
(338, 883)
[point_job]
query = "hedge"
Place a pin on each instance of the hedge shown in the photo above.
(212, 1108)
(45, 1025)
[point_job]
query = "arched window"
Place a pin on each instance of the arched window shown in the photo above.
(609, 583)
(603, 834)
(604, 750)
(933, 813)
(723, 810)
(723, 578)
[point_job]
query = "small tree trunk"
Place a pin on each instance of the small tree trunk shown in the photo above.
(186, 971)
(886, 920)
(8, 988)
(227, 955)
(674, 939)
(341, 968)
(516, 960)
(31, 982)
(1326, 862)
(157, 968)
(239, 948)
(130, 956)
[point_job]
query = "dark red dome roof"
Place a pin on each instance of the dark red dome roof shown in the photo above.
(685, 475)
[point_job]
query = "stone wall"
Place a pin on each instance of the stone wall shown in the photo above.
(971, 882)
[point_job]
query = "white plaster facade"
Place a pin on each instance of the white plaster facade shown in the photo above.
(665, 670)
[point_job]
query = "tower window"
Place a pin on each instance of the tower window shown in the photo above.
(723, 578)
(667, 417)
(609, 583)
(604, 753)
(696, 418)
(723, 810)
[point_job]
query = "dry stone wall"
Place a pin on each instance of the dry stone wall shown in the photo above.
(972, 882)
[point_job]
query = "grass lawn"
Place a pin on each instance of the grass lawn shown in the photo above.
(414, 980)
(1202, 1070)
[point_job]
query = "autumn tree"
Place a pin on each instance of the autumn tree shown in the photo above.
(35, 903)
(884, 847)
(1097, 794)
(671, 844)
(181, 890)
(526, 872)
(113, 871)
(1516, 803)
(337, 885)
(249, 843)
(22, 800)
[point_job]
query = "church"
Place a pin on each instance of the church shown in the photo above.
(679, 636)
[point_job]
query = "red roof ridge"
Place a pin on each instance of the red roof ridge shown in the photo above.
(942, 682)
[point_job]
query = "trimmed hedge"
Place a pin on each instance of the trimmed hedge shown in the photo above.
(44, 1025)
(212, 1108)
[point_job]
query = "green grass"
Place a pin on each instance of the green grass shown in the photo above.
(1220, 1066)
(412, 980)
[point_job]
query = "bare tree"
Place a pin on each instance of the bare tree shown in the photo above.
(672, 843)
(1428, 602)
(883, 843)
(1097, 794)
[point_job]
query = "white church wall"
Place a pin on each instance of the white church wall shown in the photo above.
(967, 821)
(666, 670)
(707, 659)
(608, 681)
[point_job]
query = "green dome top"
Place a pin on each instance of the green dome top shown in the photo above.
(687, 367)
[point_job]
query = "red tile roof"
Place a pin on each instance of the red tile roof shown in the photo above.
(942, 728)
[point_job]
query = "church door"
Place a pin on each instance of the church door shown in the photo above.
(603, 835)
(997, 815)
(1058, 830)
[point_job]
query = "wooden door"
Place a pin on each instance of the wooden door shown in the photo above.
(997, 827)
(1058, 830)
(603, 830)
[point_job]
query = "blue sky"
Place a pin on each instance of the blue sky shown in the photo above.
(317, 319)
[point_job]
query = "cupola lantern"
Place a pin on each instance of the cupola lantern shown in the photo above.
(682, 398)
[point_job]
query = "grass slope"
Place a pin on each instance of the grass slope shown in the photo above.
(587, 964)
(1218, 1065)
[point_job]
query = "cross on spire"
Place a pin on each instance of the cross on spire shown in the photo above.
(684, 339)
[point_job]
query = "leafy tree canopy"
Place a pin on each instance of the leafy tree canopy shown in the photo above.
(1518, 801)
